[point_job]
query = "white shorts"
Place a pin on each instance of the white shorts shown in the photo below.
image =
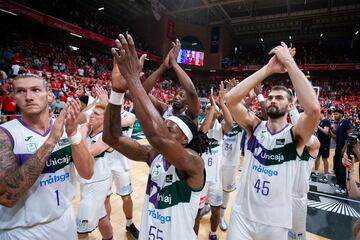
(299, 208)
(229, 178)
(59, 229)
(213, 193)
(92, 207)
(243, 228)
(122, 182)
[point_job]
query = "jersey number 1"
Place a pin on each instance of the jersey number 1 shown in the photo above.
(57, 197)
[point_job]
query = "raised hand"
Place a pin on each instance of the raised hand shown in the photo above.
(118, 82)
(282, 53)
(277, 66)
(58, 128)
(174, 52)
(102, 94)
(127, 60)
(258, 89)
(73, 110)
(221, 93)
(230, 83)
(212, 100)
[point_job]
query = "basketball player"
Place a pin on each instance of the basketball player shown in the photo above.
(185, 100)
(301, 182)
(38, 198)
(92, 212)
(176, 170)
(120, 167)
(263, 204)
(213, 159)
(231, 151)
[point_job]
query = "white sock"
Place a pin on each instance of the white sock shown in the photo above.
(129, 222)
(212, 233)
(222, 212)
(226, 196)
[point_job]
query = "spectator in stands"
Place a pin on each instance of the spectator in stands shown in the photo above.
(59, 105)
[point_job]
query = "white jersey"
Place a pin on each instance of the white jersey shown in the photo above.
(170, 112)
(170, 205)
(117, 161)
(302, 174)
(213, 158)
(231, 146)
(52, 193)
(266, 182)
(101, 166)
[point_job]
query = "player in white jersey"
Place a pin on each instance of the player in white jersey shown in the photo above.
(263, 205)
(176, 170)
(301, 182)
(213, 159)
(231, 152)
(92, 212)
(38, 199)
(185, 100)
(120, 167)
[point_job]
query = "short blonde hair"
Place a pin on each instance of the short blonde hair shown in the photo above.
(100, 105)
(29, 75)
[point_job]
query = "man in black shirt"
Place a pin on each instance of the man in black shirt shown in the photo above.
(342, 131)
(324, 152)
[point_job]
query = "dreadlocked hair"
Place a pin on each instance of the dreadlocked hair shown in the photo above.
(200, 143)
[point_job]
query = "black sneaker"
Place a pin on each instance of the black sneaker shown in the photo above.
(133, 231)
(323, 179)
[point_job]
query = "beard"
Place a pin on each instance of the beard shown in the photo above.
(275, 112)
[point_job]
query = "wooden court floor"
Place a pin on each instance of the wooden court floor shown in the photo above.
(139, 178)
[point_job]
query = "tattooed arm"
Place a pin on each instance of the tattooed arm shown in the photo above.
(15, 180)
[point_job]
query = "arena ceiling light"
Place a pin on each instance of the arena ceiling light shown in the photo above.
(101, 8)
(357, 32)
(321, 35)
(261, 39)
(3, 10)
(76, 35)
(290, 37)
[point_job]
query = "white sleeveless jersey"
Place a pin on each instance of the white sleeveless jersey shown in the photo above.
(266, 182)
(231, 146)
(170, 112)
(117, 161)
(170, 205)
(212, 159)
(101, 166)
(302, 174)
(52, 193)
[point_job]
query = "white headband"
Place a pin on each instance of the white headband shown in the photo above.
(184, 128)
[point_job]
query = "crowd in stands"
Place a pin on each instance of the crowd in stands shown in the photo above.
(306, 53)
(73, 12)
(75, 73)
